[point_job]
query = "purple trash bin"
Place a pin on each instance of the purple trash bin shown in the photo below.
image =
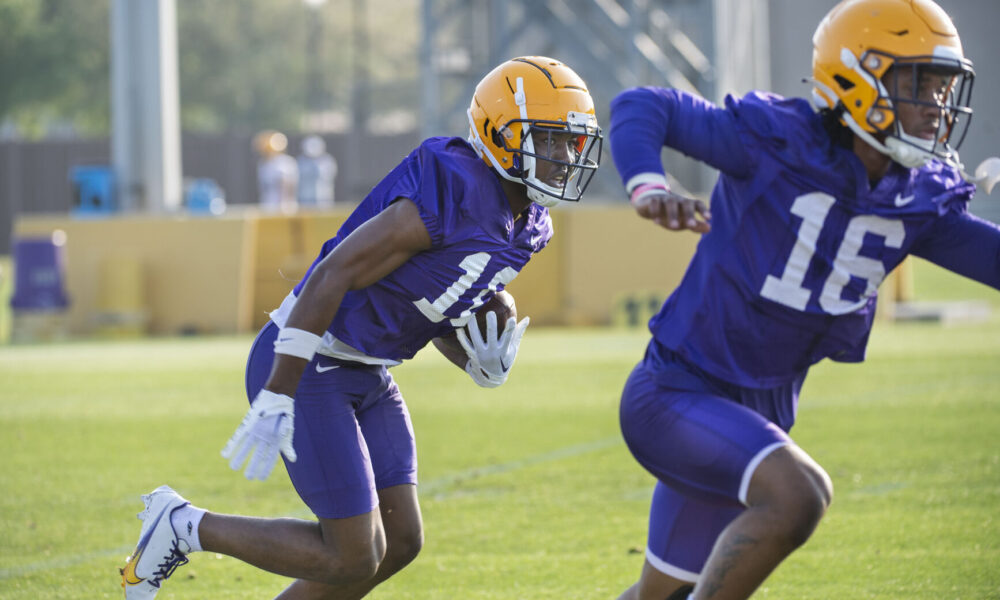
(39, 275)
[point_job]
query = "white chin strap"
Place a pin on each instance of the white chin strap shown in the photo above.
(907, 154)
(898, 150)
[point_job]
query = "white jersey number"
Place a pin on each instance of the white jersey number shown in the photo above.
(473, 265)
(813, 209)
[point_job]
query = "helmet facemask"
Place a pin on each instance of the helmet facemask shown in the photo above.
(917, 82)
(554, 158)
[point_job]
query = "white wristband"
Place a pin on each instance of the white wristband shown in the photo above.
(647, 189)
(637, 180)
(296, 342)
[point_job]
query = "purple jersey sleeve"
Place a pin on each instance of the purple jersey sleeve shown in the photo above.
(964, 244)
(643, 120)
(799, 244)
(957, 240)
(477, 248)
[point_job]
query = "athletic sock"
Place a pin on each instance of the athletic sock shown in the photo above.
(185, 521)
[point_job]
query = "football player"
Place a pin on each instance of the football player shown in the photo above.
(812, 208)
(443, 232)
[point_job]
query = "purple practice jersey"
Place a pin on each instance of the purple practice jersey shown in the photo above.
(800, 241)
(477, 248)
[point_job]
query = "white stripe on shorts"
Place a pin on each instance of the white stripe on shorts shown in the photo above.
(668, 569)
(752, 466)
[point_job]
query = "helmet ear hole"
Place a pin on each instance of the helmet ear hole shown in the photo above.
(496, 137)
(844, 83)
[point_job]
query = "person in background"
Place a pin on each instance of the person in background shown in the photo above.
(317, 173)
(277, 173)
(438, 237)
(811, 210)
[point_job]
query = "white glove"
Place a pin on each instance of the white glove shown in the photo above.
(266, 429)
(490, 359)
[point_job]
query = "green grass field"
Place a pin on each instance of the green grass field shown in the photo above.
(527, 490)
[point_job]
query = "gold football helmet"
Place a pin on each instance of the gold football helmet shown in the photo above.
(521, 112)
(857, 44)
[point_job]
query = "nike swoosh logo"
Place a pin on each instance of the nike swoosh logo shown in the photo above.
(322, 369)
(901, 201)
(128, 573)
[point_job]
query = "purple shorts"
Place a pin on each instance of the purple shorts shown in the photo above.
(353, 434)
(702, 438)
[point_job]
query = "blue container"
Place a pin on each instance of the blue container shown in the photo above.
(93, 189)
(205, 197)
(39, 275)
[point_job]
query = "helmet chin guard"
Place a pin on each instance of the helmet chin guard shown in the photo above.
(539, 197)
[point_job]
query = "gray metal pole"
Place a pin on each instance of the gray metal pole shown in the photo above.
(145, 113)
(742, 56)
(430, 100)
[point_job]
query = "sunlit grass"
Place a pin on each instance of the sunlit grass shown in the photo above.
(526, 490)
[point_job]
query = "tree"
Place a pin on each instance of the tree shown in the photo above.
(243, 65)
(54, 65)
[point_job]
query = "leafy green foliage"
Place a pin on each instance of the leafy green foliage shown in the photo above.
(54, 65)
(243, 65)
(246, 56)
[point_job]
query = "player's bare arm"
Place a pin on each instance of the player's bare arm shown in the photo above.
(374, 250)
(371, 252)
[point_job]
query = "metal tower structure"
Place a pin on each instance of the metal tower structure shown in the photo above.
(708, 47)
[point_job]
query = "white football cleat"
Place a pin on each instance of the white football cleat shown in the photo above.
(159, 551)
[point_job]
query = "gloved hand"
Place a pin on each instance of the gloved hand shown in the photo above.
(266, 429)
(490, 359)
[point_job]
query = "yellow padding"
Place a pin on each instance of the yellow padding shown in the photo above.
(122, 285)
